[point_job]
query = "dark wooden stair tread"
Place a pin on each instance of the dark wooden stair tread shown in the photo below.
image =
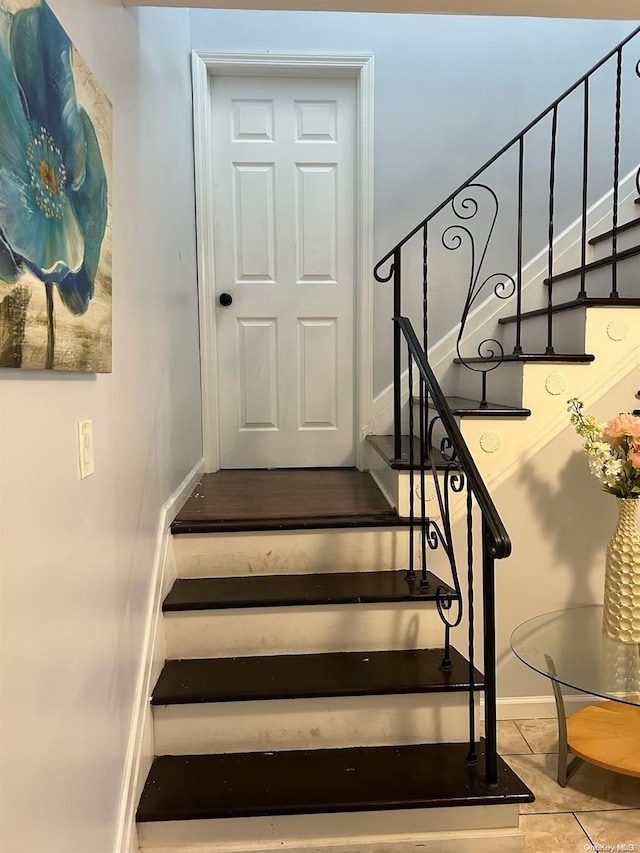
(594, 265)
(462, 406)
(620, 229)
(581, 302)
(191, 787)
(385, 447)
(371, 673)
(284, 499)
(301, 589)
(389, 518)
(553, 358)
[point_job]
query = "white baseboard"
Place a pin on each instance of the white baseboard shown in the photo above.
(538, 707)
(139, 753)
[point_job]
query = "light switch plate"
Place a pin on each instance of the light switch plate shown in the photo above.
(85, 448)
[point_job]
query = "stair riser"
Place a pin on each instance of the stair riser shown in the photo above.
(385, 477)
(290, 630)
(437, 561)
(310, 723)
(290, 552)
(504, 385)
(598, 282)
(483, 841)
(483, 829)
(396, 485)
(568, 332)
(626, 240)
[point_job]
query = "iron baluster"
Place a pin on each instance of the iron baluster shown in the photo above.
(552, 189)
(472, 755)
(446, 665)
(585, 192)
(616, 179)
(412, 572)
(397, 357)
(518, 347)
(425, 288)
(638, 172)
(490, 692)
(423, 503)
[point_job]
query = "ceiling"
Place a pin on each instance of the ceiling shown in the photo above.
(618, 9)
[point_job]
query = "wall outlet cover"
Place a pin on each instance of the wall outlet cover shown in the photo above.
(85, 448)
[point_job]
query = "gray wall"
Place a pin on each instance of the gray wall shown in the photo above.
(449, 92)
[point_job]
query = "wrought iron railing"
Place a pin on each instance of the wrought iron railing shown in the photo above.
(468, 217)
(455, 478)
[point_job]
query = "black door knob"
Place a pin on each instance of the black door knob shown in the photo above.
(225, 299)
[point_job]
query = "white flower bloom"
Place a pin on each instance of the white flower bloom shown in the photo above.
(612, 463)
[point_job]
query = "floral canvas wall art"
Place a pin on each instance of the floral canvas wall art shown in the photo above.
(55, 200)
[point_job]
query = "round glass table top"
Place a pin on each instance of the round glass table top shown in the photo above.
(569, 647)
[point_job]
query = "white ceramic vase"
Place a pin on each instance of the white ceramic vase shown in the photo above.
(621, 618)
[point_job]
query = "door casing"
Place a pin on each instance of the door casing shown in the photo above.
(206, 65)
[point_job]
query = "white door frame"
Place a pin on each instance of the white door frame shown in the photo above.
(359, 67)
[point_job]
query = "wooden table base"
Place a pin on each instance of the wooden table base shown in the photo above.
(607, 734)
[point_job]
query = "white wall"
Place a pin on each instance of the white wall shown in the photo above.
(560, 523)
(449, 92)
(76, 556)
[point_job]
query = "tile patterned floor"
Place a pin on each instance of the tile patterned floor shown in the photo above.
(598, 810)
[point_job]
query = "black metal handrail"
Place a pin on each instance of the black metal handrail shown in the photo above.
(499, 154)
(465, 203)
(454, 472)
(500, 541)
(452, 467)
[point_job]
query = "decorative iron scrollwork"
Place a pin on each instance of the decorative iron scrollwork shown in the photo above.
(466, 207)
(380, 276)
(440, 535)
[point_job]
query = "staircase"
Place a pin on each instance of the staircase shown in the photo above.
(307, 677)
(565, 324)
(313, 698)
(597, 343)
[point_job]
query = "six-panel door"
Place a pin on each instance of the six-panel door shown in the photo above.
(284, 212)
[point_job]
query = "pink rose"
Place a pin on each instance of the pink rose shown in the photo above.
(621, 427)
(634, 457)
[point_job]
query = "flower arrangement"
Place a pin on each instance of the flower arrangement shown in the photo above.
(613, 449)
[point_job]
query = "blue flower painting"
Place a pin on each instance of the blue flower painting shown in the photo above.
(55, 223)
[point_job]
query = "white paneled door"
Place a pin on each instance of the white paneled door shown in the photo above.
(284, 247)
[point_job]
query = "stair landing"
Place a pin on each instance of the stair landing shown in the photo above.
(285, 499)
